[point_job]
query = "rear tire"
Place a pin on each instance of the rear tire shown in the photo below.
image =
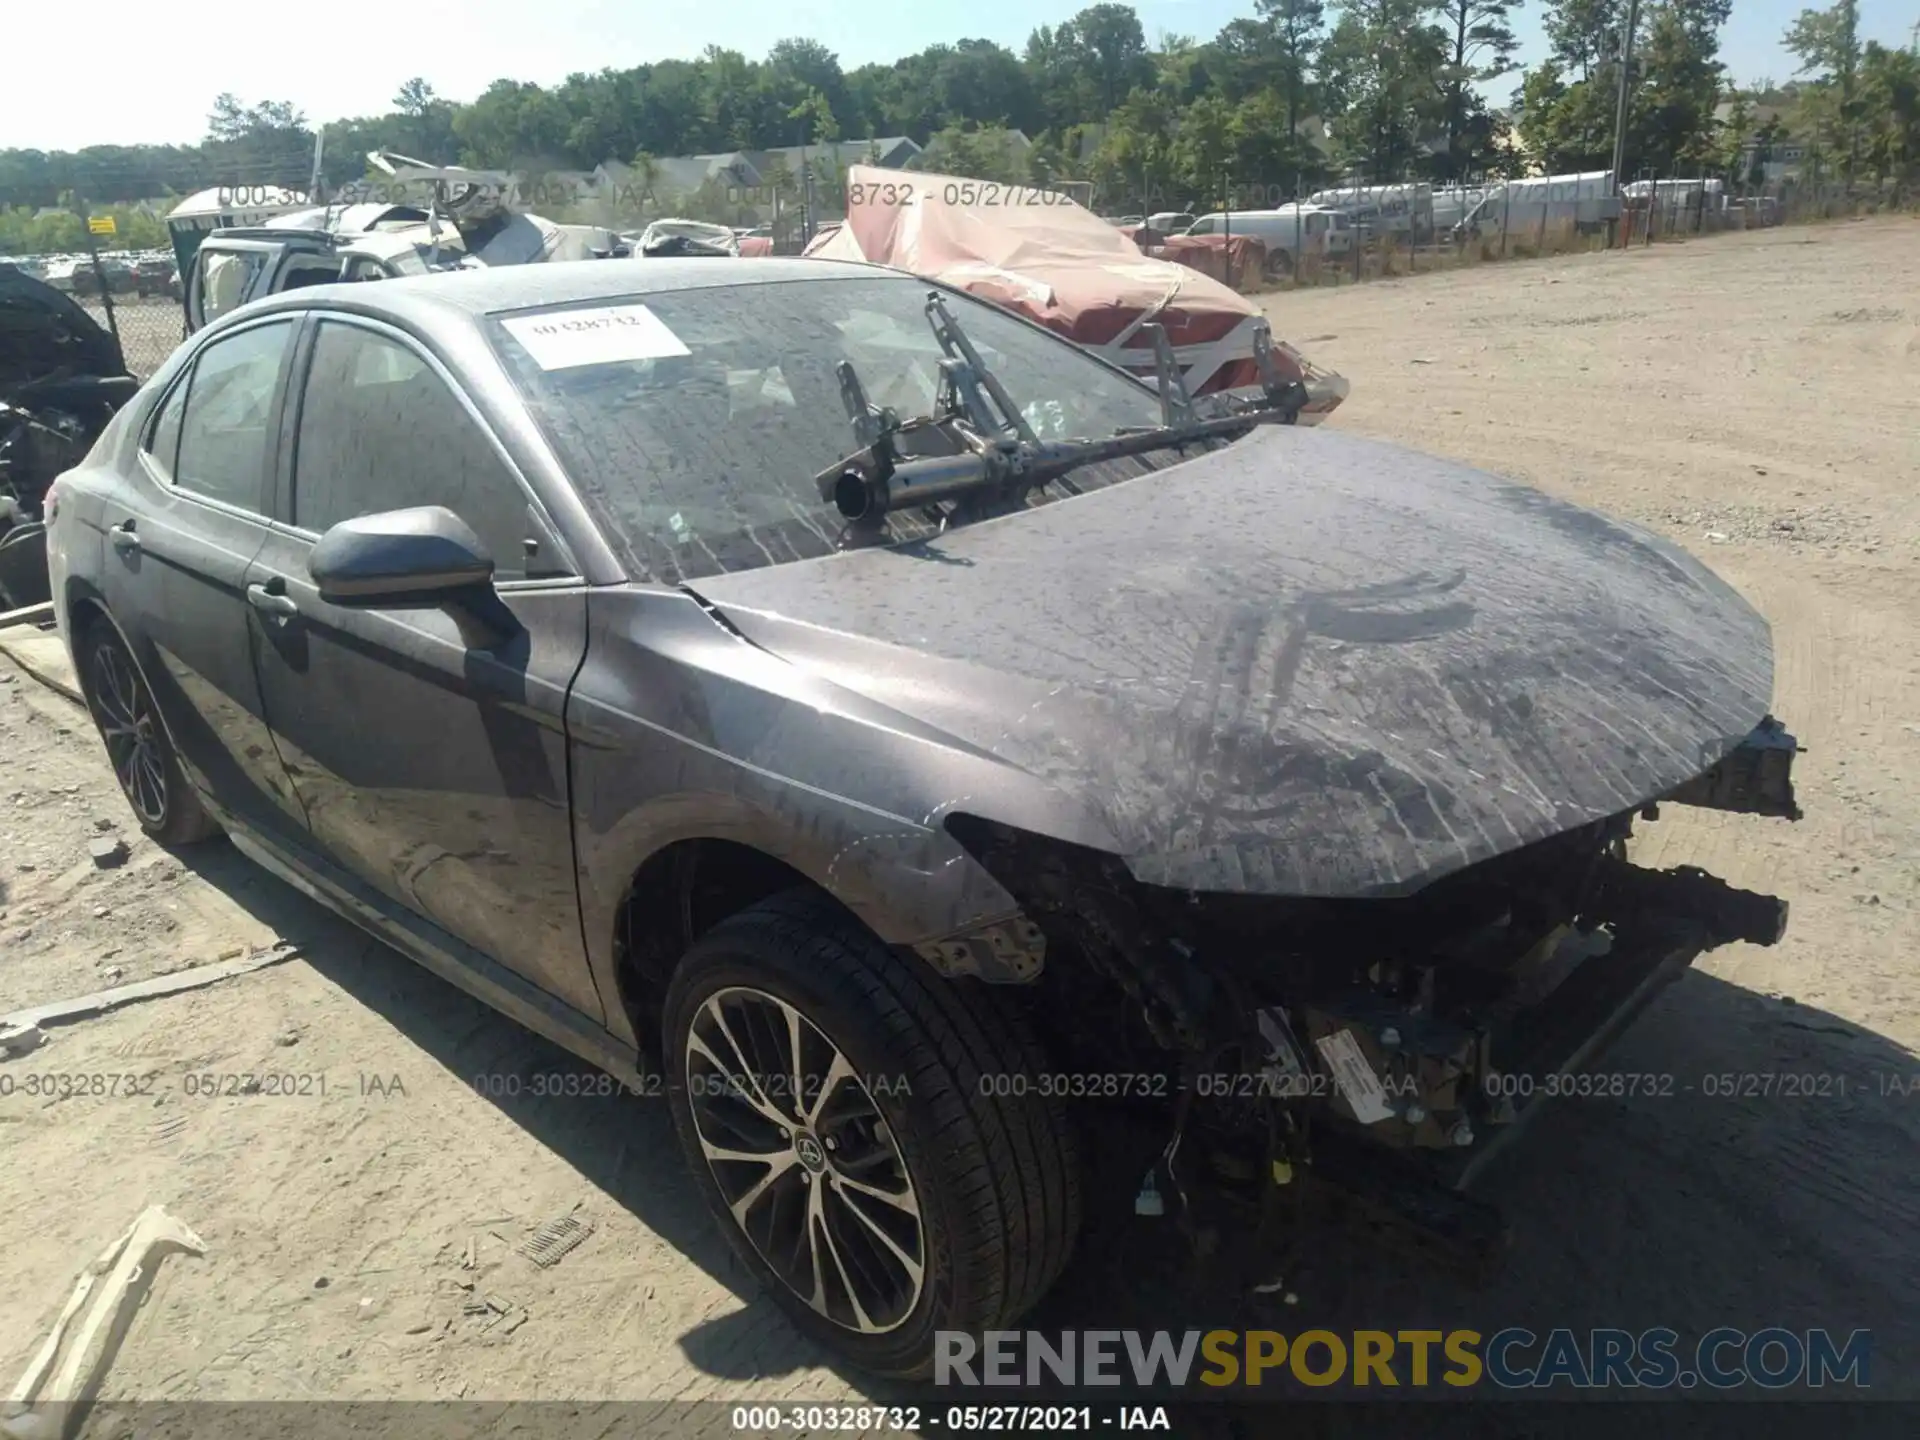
(1279, 265)
(163, 800)
(981, 1202)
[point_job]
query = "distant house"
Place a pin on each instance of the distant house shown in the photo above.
(621, 184)
(751, 170)
(1016, 142)
(829, 160)
(892, 152)
(1779, 159)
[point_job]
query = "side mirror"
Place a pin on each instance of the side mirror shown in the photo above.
(423, 556)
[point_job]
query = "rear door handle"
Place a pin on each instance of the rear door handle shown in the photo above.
(271, 603)
(123, 538)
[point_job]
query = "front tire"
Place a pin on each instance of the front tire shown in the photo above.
(164, 802)
(879, 1188)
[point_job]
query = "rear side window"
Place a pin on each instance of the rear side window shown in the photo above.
(223, 436)
(164, 443)
(380, 430)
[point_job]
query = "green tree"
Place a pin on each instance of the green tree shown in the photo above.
(1296, 28)
(1827, 44)
(1567, 104)
(1381, 70)
(1136, 163)
(1890, 96)
(1673, 126)
(1480, 47)
(1203, 151)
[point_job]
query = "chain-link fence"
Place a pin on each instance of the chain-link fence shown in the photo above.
(1347, 233)
(1251, 235)
(148, 326)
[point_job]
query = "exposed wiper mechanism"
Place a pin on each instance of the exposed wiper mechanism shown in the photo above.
(995, 458)
(967, 375)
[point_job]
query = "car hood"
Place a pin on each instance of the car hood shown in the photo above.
(43, 332)
(1304, 664)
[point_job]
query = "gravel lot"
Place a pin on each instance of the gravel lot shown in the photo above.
(1756, 395)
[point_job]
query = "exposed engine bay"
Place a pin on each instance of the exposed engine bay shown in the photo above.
(1383, 1047)
(62, 377)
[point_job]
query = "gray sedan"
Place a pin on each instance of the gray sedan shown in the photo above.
(912, 745)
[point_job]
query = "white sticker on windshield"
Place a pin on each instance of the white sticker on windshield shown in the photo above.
(602, 336)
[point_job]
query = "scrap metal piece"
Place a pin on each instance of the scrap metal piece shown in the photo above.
(19, 1039)
(1012, 949)
(56, 1012)
(152, 1234)
(1176, 405)
(1624, 892)
(1754, 778)
(555, 1240)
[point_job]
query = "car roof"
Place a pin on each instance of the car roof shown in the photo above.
(475, 293)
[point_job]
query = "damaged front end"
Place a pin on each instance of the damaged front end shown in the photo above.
(1376, 1050)
(62, 378)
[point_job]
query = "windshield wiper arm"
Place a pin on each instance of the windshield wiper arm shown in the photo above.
(969, 376)
(869, 494)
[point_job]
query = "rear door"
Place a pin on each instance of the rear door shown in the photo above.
(429, 751)
(180, 535)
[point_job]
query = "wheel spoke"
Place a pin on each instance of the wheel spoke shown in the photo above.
(901, 1200)
(821, 1235)
(114, 690)
(906, 1262)
(744, 1086)
(153, 784)
(837, 1073)
(727, 1155)
(795, 1065)
(777, 1167)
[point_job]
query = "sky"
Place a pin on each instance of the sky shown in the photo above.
(157, 83)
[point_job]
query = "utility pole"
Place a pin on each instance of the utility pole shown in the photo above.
(1620, 114)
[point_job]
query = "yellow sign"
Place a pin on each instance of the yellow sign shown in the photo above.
(102, 225)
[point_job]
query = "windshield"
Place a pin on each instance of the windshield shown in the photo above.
(693, 421)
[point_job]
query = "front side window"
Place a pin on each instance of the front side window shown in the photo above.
(380, 430)
(224, 441)
(226, 279)
(693, 422)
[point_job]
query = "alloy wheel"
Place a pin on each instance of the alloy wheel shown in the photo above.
(804, 1160)
(127, 722)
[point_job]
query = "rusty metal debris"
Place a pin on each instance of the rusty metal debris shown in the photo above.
(556, 1239)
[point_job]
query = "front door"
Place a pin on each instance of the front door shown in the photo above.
(429, 750)
(177, 559)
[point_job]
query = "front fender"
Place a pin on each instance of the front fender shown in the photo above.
(679, 729)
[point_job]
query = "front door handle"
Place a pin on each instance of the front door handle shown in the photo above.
(123, 538)
(271, 602)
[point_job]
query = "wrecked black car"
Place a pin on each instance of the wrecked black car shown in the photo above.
(906, 742)
(62, 377)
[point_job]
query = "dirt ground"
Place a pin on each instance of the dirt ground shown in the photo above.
(1756, 396)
